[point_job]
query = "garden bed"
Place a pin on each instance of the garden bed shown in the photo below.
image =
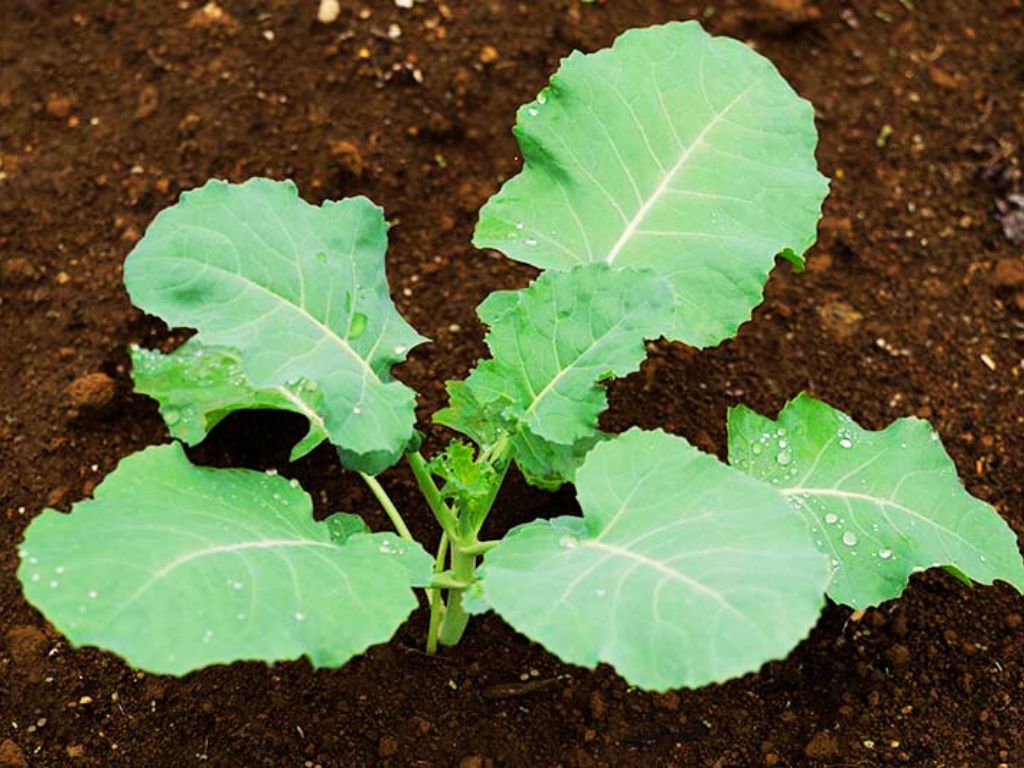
(913, 303)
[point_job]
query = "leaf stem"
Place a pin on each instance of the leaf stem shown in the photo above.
(480, 548)
(434, 596)
(388, 505)
(444, 515)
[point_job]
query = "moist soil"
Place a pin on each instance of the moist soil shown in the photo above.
(913, 303)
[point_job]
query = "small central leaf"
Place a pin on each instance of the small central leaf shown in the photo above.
(552, 345)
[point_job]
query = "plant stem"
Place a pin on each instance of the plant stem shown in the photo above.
(434, 596)
(455, 616)
(441, 511)
(388, 505)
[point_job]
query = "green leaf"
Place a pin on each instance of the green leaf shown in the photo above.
(299, 290)
(552, 345)
(681, 572)
(197, 386)
(553, 342)
(882, 504)
(671, 150)
(176, 567)
(548, 465)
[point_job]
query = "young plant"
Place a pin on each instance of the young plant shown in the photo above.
(661, 179)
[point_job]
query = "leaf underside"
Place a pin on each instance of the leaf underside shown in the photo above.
(882, 505)
(299, 290)
(681, 572)
(674, 151)
(176, 567)
(198, 386)
(552, 344)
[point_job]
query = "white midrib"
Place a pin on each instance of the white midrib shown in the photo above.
(221, 549)
(878, 501)
(666, 180)
(668, 571)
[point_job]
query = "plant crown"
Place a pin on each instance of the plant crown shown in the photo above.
(661, 178)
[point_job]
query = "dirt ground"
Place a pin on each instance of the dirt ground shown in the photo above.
(913, 304)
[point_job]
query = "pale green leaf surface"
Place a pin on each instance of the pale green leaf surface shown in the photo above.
(549, 465)
(299, 290)
(176, 567)
(882, 504)
(681, 572)
(672, 150)
(553, 342)
(197, 386)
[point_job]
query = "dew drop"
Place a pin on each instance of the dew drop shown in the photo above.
(530, 241)
(568, 542)
(756, 449)
(241, 617)
(35, 577)
(356, 410)
(321, 257)
(533, 112)
(53, 585)
(885, 554)
(849, 538)
(207, 635)
(846, 442)
(171, 416)
(399, 350)
(299, 616)
(599, 592)
(59, 569)
(33, 560)
(93, 594)
(519, 225)
(784, 457)
(831, 518)
(783, 443)
(293, 483)
(541, 98)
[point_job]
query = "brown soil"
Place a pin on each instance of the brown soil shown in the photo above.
(109, 109)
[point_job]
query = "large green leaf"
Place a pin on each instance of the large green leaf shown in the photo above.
(299, 290)
(197, 386)
(671, 150)
(882, 504)
(176, 567)
(681, 572)
(552, 345)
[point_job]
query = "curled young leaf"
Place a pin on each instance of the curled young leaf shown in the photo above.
(299, 290)
(176, 567)
(681, 572)
(197, 386)
(882, 504)
(674, 151)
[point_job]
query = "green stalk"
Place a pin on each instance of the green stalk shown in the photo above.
(434, 596)
(388, 505)
(455, 616)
